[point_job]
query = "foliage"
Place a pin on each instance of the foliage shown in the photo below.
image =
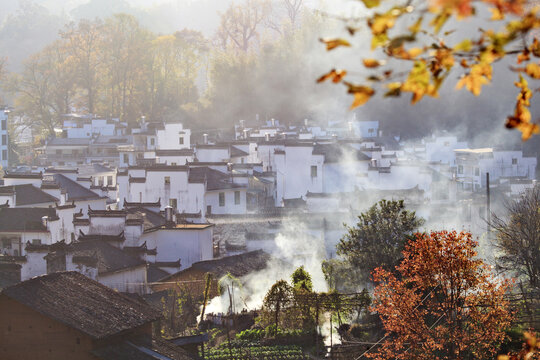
(518, 236)
(271, 331)
(412, 33)
(378, 237)
(301, 279)
(113, 68)
(180, 311)
(529, 351)
(255, 351)
(278, 300)
(445, 303)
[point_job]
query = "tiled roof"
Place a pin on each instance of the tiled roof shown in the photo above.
(174, 152)
(215, 180)
(75, 191)
(69, 142)
(27, 194)
(236, 152)
(107, 257)
(334, 153)
(236, 265)
(82, 303)
(24, 218)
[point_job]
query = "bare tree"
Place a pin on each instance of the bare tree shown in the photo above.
(518, 236)
(294, 8)
(240, 23)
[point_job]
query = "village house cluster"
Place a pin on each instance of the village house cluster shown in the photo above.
(139, 209)
(130, 206)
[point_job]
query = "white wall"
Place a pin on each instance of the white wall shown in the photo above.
(188, 245)
(169, 138)
(131, 280)
(212, 199)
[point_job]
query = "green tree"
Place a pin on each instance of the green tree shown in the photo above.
(277, 301)
(379, 236)
(301, 279)
(518, 236)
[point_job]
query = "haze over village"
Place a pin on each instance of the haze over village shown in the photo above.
(189, 180)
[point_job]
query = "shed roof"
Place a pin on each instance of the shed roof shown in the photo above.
(75, 191)
(27, 194)
(24, 219)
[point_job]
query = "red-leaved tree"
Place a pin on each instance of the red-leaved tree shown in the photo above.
(442, 302)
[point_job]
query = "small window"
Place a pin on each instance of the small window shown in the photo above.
(514, 161)
(4, 139)
(167, 180)
(152, 141)
(221, 199)
(126, 158)
(4, 124)
(109, 180)
(4, 154)
(447, 143)
(181, 140)
(6, 243)
(173, 203)
(237, 197)
(173, 164)
(36, 241)
(460, 169)
(476, 172)
(314, 171)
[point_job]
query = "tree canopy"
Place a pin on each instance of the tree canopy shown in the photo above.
(443, 304)
(412, 33)
(379, 236)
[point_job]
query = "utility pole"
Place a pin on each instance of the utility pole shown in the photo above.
(488, 217)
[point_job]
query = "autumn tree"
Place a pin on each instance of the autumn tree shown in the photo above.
(124, 48)
(518, 236)
(443, 303)
(379, 237)
(414, 36)
(83, 43)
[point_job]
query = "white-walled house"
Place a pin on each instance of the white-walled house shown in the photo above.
(188, 242)
(298, 170)
(473, 164)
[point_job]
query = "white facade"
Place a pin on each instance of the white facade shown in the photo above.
(173, 136)
(226, 201)
(473, 164)
(297, 172)
(190, 243)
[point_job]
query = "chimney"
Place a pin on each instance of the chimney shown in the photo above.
(242, 124)
(267, 136)
(380, 133)
(350, 126)
(168, 214)
(205, 138)
(44, 221)
(306, 121)
(246, 131)
(143, 119)
(273, 122)
(257, 118)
